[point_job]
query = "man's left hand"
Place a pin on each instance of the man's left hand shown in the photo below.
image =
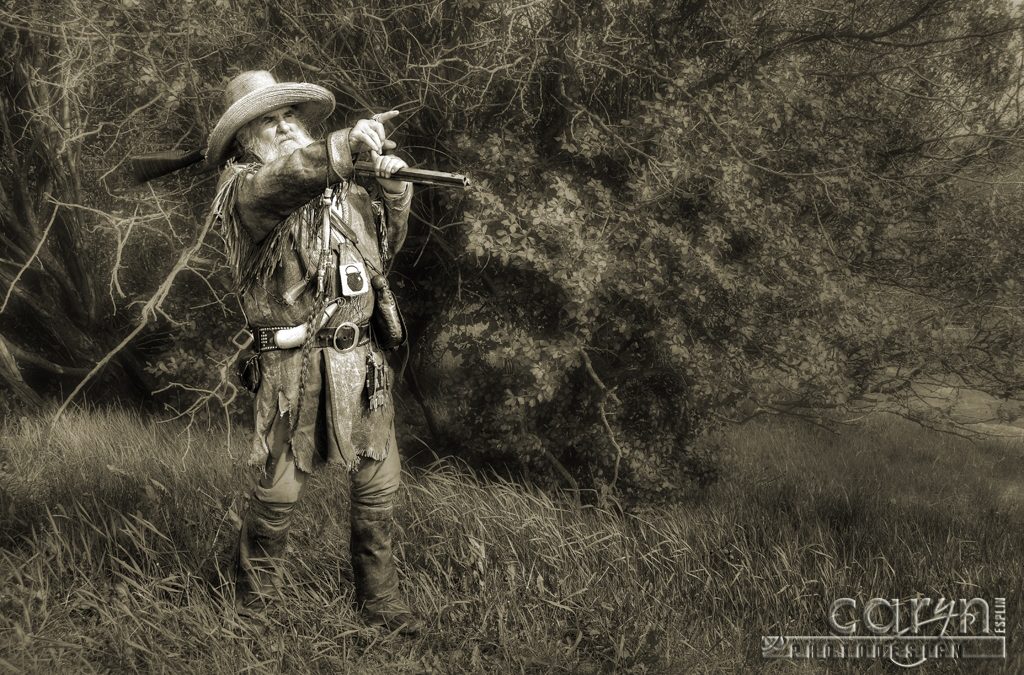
(386, 165)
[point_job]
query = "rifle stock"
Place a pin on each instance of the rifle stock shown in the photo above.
(147, 167)
(154, 165)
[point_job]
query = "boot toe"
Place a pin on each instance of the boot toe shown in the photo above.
(404, 623)
(251, 606)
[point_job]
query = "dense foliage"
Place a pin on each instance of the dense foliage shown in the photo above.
(683, 212)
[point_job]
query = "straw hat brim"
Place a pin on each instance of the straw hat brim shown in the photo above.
(313, 102)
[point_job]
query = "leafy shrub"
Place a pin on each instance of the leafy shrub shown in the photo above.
(680, 211)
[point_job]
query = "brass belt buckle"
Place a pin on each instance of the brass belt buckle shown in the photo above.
(355, 336)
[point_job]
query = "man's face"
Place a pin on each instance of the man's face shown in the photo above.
(277, 133)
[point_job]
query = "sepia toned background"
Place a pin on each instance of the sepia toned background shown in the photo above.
(727, 326)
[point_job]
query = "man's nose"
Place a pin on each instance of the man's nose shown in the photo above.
(283, 126)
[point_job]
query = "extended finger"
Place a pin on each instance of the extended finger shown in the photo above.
(385, 116)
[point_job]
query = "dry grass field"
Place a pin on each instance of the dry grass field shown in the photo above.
(115, 539)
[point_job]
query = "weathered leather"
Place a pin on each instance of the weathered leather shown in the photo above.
(373, 569)
(265, 193)
(270, 194)
(261, 544)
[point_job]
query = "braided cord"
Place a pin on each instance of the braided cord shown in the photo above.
(319, 305)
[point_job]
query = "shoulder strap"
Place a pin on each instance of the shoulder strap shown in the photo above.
(347, 230)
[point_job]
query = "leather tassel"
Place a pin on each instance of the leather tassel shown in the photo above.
(376, 381)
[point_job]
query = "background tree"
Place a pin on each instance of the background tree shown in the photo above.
(685, 212)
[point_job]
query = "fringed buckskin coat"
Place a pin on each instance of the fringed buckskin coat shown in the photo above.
(271, 217)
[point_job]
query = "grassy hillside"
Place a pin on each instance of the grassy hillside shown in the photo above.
(115, 536)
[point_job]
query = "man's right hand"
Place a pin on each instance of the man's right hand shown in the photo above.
(371, 135)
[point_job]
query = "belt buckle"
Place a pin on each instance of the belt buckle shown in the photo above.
(355, 336)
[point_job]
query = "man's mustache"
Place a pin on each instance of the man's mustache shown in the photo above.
(297, 138)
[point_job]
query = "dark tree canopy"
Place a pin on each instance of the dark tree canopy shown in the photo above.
(684, 212)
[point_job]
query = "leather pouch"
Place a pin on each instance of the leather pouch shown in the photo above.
(387, 321)
(249, 372)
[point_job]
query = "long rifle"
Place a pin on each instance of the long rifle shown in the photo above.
(147, 167)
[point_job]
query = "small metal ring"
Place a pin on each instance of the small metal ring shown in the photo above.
(243, 338)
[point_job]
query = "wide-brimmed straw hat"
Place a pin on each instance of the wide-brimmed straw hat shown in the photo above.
(255, 93)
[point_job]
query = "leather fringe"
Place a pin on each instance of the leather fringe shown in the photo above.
(253, 264)
(374, 453)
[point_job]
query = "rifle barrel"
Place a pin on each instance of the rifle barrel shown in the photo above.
(421, 176)
(156, 164)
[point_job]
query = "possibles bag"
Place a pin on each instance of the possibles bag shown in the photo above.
(387, 321)
(249, 372)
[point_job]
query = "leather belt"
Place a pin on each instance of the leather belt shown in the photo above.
(343, 337)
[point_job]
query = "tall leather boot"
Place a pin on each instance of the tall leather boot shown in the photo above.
(373, 568)
(261, 543)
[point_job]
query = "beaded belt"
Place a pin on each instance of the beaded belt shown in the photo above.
(344, 337)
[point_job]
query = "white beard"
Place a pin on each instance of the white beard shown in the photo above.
(269, 151)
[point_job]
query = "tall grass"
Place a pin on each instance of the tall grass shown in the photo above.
(116, 537)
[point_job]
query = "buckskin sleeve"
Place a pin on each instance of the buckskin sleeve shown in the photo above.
(270, 194)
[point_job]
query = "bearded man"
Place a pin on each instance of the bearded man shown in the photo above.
(305, 242)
